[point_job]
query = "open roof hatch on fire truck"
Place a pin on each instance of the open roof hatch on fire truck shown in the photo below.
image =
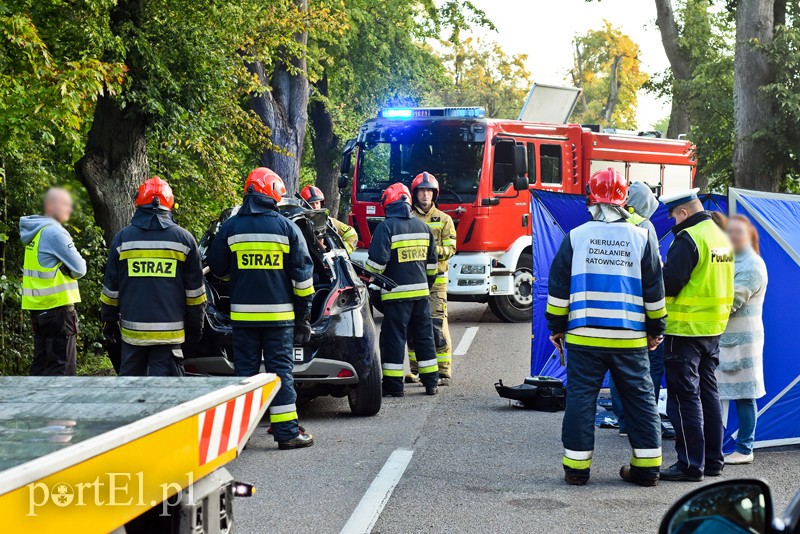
(484, 166)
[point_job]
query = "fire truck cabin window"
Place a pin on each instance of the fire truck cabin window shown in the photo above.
(550, 159)
(503, 166)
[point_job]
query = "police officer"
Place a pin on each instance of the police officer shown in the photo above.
(51, 269)
(698, 278)
(606, 300)
(425, 192)
(271, 273)
(316, 199)
(153, 287)
(403, 248)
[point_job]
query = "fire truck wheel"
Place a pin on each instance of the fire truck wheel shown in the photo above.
(516, 308)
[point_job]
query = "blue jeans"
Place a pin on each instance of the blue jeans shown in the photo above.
(656, 374)
(746, 410)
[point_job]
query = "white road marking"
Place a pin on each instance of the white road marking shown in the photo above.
(369, 509)
(466, 341)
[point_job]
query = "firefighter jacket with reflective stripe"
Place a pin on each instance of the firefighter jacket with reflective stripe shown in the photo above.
(403, 249)
(605, 288)
(444, 232)
(702, 305)
(347, 233)
(153, 283)
(268, 262)
(45, 288)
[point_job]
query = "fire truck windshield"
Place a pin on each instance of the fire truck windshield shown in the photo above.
(455, 164)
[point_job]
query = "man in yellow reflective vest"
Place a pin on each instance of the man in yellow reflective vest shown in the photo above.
(316, 199)
(154, 294)
(698, 279)
(606, 300)
(425, 192)
(50, 275)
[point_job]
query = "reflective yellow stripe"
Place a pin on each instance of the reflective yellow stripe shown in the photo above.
(555, 310)
(698, 317)
(393, 372)
(698, 301)
(350, 232)
(303, 292)
(448, 242)
(348, 247)
(606, 342)
(370, 268)
(395, 295)
(166, 335)
(443, 357)
(441, 279)
(646, 462)
(262, 316)
(656, 314)
(411, 243)
(194, 301)
(282, 417)
(577, 464)
(261, 245)
(437, 224)
(152, 253)
(108, 300)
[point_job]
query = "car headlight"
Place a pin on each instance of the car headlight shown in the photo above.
(473, 269)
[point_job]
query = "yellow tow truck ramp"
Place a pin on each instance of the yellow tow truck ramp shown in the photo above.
(90, 454)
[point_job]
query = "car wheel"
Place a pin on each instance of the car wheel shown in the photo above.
(365, 398)
(517, 308)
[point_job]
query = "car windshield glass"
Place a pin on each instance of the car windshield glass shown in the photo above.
(455, 164)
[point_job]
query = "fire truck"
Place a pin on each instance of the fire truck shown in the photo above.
(485, 168)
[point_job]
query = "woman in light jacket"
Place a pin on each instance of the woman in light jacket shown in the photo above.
(740, 374)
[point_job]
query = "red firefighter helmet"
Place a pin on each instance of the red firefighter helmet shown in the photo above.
(155, 192)
(311, 193)
(265, 181)
(607, 187)
(394, 193)
(425, 180)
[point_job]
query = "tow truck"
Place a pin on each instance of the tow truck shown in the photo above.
(485, 168)
(125, 454)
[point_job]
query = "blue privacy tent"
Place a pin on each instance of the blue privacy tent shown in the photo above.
(777, 218)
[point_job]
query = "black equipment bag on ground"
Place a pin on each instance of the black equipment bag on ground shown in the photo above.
(542, 393)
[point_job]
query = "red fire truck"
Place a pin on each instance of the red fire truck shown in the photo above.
(484, 167)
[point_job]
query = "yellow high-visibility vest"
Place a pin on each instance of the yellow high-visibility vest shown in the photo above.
(704, 304)
(45, 288)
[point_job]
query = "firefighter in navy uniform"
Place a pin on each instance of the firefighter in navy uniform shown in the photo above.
(425, 192)
(606, 300)
(271, 274)
(698, 279)
(403, 248)
(153, 293)
(316, 199)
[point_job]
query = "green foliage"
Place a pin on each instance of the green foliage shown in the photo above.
(598, 54)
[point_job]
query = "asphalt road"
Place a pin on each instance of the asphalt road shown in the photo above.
(477, 465)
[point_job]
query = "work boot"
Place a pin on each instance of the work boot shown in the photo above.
(396, 394)
(411, 378)
(431, 390)
(444, 381)
(628, 475)
(674, 474)
(576, 477)
(737, 458)
(713, 471)
(302, 441)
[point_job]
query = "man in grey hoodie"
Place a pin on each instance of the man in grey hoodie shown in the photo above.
(51, 269)
(641, 205)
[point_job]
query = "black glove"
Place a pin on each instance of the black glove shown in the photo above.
(194, 335)
(302, 331)
(111, 332)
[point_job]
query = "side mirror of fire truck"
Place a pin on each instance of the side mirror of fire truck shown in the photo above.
(346, 166)
(520, 167)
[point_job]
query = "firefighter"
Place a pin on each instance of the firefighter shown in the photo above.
(425, 192)
(698, 279)
(403, 248)
(606, 301)
(316, 199)
(153, 293)
(51, 269)
(271, 274)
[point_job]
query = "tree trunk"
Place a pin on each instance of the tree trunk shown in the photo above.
(326, 149)
(752, 167)
(679, 63)
(613, 90)
(284, 109)
(114, 163)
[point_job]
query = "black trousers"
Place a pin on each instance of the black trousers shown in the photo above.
(152, 360)
(693, 402)
(54, 341)
(399, 318)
